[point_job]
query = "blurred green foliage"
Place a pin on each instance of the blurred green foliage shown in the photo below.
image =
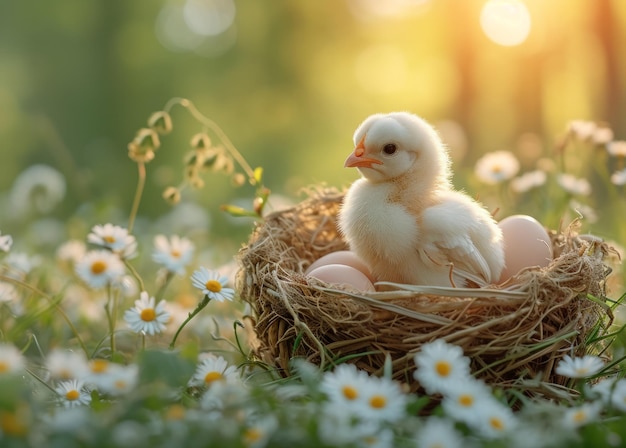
(288, 82)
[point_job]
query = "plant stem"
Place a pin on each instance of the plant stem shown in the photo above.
(141, 182)
(111, 310)
(199, 308)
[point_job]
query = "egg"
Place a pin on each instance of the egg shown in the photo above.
(346, 257)
(526, 244)
(340, 274)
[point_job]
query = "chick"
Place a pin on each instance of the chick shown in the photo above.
(403, 216)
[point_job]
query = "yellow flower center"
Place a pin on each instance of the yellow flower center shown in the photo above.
(10, 424)
(378, 401)
(466, 400)
(98, 267)
(4, 366)
(580, 416)
(175, 253)
(212, 376)
(120, 384)
(72, 395)
(443, 368)
(252, 435)
(350, 392)
(148, 314)
(109, 239)
(65, 374)
(213, 286)
(175, 412)
(581, 371)
(496, 423)
(99, 365)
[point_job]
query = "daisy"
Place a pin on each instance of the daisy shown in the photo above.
(616, 393)
(99, 373)
(258, 432)
(493, 419)
(496, 167)
(582, 129)
(528, 181)
(376, 438)
(99, 268)
(617, 148)
(121, 381)
(11, 359)
(175, 254)
(336, 427)
(619, 177)
(382, 400)
(582, 367)
(115, 238)
(127, 285)
(145, 317)
(462, 398)
(66, 365)
(345, 386)
(581, 415)
(72, 393)
(574, 185)
(439, 365)
(212, 284)
(22, 263)
(439, 433)
(6, 241)
(8, 292)
(213, 369)
(602, 135)
(72, 251)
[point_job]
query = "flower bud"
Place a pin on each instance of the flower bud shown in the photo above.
(172, 195)
(238, 179)
(161, 122)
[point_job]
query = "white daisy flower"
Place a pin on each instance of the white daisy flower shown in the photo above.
(439, 433)
(336, 427)
(72, 251)
(6, 241)
(145, 317)
(528, 181)
(582, 129)
(99, 268)
(440, 364)
(493, 419)
(462, 398)
(496, 167)
(259, 431)
(213, 369)
(574, 185)
(212, 284)
(579, 367)
(72, 393)
(376, 438)
(22, 263)
(602, 390)
(602, 135)
(174, 253)
(99, 373)
(617, 148)
(619, 177)
(121, 380)
(66, 365)
(345, 386)
(382, 400)
(115, 238)
(581, 415)
(11, 359)
(127, 285)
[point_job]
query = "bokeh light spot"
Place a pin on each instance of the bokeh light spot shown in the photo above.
(506, 22)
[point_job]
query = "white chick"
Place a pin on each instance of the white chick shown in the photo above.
(404, 218)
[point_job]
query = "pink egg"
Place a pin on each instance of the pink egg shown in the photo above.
(340, 274)
(526, 244)
(346, 257)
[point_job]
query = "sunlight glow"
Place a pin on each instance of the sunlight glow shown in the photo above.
(506, 22)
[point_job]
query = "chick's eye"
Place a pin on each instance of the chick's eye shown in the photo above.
(390, 149)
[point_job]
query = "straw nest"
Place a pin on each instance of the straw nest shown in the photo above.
(513, 332)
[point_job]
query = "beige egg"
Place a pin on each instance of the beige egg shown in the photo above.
(526, 244)
(346, 257)
(340, 274)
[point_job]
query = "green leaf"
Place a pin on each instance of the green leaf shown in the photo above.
(236, 211)
(165, 367)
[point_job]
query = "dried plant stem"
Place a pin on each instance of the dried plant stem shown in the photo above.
(183, 102)
(141, 182)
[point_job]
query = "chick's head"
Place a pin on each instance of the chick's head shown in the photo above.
(389, 146)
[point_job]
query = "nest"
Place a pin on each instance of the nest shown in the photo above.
(513, 332)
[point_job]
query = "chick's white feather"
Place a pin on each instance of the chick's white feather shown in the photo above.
(403, 217)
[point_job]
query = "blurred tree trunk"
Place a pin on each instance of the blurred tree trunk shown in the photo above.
(606, 30)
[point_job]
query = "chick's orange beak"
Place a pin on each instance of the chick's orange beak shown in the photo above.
(356, 159)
